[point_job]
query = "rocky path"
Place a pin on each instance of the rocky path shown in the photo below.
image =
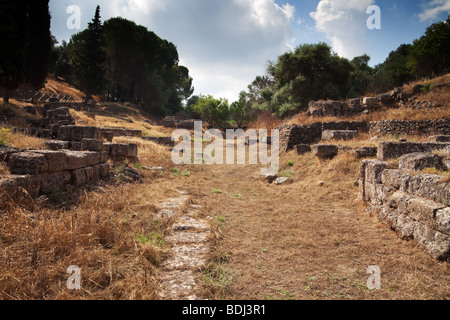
(189, 240)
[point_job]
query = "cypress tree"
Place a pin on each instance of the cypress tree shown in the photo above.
(88, 56)
(38, 43)
(13, 17)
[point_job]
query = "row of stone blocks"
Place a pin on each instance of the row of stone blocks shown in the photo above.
(413, 204)
(43, 171)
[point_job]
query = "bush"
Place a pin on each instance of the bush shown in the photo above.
(4, 137)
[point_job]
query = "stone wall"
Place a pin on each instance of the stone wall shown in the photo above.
(413, 204)
(293, 135)
(44, 171)
(410, 127)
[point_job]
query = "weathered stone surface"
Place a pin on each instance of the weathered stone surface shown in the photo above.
(55, 180)
(91, 144)
(325, 152)
(339, 134)
(302, 149)
(270, 177)
(370, 101)
(410, 127)
(6, 152)
(76, 133)
(435, 242)
(392, 150)
(441, 138)
(283, 180)
(27, 163)
(57, 144)
(365, 152)
(429, 186)
(420, 161)
(76, 160)
(442, 220)
(328, 108)
(57, 160)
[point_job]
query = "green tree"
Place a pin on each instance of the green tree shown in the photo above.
(430, 55)
(143, 68)
(214, 111)
(87, 54)
(238, 113)
(362, 76)
(393, 72)
(310, 72)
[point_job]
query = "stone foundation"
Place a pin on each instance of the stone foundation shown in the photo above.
(413, 205)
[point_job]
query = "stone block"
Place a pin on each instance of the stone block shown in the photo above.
(76, 160)
(88, 144)
(370, 101)
(57, 160)
(119, 149)
(303, 149)
(55, 181)
(436, 243)
(79, 177)
(132, 151)
(325, 152)
(365, 152)
(392, 150)
(441, 221)
(64, 133)
(420, 161)
(57, 144)
(339, 134)
(6, 152)
(27, 163)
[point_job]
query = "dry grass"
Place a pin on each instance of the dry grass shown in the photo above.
(57, 86)
(150, 153)
(23, 141)
(433, 81)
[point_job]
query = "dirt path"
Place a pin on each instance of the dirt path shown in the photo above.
(305, 241)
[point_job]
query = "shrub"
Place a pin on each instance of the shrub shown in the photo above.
(4, 137)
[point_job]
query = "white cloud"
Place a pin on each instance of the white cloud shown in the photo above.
(344, 23)
(225, 44)
(432, 9)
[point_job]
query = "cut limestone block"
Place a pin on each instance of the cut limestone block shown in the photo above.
(339, 134)
(27, 163)
(420, 161)
(325, 152)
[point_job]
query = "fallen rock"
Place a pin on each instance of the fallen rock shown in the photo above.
(283, 180)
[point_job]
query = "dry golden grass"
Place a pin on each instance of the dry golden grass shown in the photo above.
(23, 141)
(150, 153)
(433, 81)
(57, 86)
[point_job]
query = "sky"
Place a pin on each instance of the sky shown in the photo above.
(225, 44)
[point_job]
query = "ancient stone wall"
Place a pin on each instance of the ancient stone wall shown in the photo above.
(44, 171)
(411, 203)
(410, 127)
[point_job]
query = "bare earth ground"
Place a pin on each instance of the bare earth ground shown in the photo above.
(302, 241)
